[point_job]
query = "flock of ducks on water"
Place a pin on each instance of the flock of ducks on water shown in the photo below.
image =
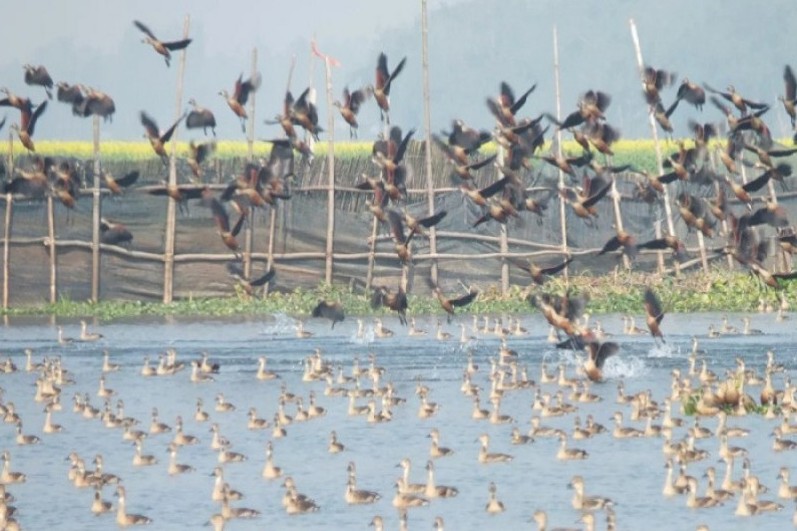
(367, 392)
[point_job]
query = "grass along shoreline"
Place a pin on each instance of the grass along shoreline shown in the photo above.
(719, 291)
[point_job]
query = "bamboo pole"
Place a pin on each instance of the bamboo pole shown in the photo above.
(272, 225)
(369, 273)
(562, 202)
(7, 225)
(427, 119)
(331, 170)
(543, 250)
(96, 206)
(51, 248)
(171, 208)
(503, 243)
(618, 217)
(659, 159)
(250, 150)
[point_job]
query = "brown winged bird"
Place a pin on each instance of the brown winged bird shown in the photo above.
(416, 225)
(746, 249)
(249, 286)
(180, 193)
(561, 312)
(200, 117)
(765, 155)
(114, 233)
(506, 106)
(66, 187)
(18, 102)
(197, 154)
(539, 275)
(384, 80)
(157, 139)
(736, 99)
(350, 106)
(449, 305)
(33, 183)
(662, 115)
(591, 107)
(27, 124)
(789, 98)
(329, 310)
(95, 103)
(597, 353)
(163, 48)
(116, 185)
(396, 301)
(622, 240)
(654, 81)
(223, 225)
(305, 114)
(38, 75)
(653, 314)
(692, 93)
(584, 203)
(693, 212)
(667, 241)
(240, 94)
(402, 240)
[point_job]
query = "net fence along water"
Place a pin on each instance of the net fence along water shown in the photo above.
(301, 232)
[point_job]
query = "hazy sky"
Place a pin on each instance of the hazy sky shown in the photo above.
(472, 48)
(95, 42)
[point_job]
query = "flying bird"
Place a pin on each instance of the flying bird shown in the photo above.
(38, 75)
(200, 117)
(384, 80)
(329, 310)
(163, 48)
(653, 314)
(240, 95)
(157, 139)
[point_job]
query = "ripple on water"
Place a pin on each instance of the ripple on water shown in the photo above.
(626, 367)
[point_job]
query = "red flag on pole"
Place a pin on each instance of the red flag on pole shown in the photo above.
(317, 53)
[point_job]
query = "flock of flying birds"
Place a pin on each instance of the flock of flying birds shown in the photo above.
(588, 181)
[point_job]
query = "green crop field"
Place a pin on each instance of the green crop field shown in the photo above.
(639, 153)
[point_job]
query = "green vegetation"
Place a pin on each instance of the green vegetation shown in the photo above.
(639, 153)
(694, 292)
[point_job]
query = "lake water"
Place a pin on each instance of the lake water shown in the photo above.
(631, 472)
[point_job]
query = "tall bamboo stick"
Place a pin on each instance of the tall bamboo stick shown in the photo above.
(503, 244)
(331, 170)
(250, 150)
(562, 202)
(7, 225)
(618, 216)
(52, 249)
(171, 209)
(427, 119)
(96, 206)
(369, 273)
(659, 158)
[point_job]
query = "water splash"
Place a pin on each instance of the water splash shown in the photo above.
(625, 367)
(366, 338)
(282, 324)
(664, 351)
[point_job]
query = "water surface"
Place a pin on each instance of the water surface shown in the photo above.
(629, 471)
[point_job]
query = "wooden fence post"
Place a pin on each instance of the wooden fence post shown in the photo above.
(562, 202)
(369, 273)
(96, 211)
(331, 170)
(659, 160)
(7, 225)
(427, 118)
(250, 151)
(171, 209)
